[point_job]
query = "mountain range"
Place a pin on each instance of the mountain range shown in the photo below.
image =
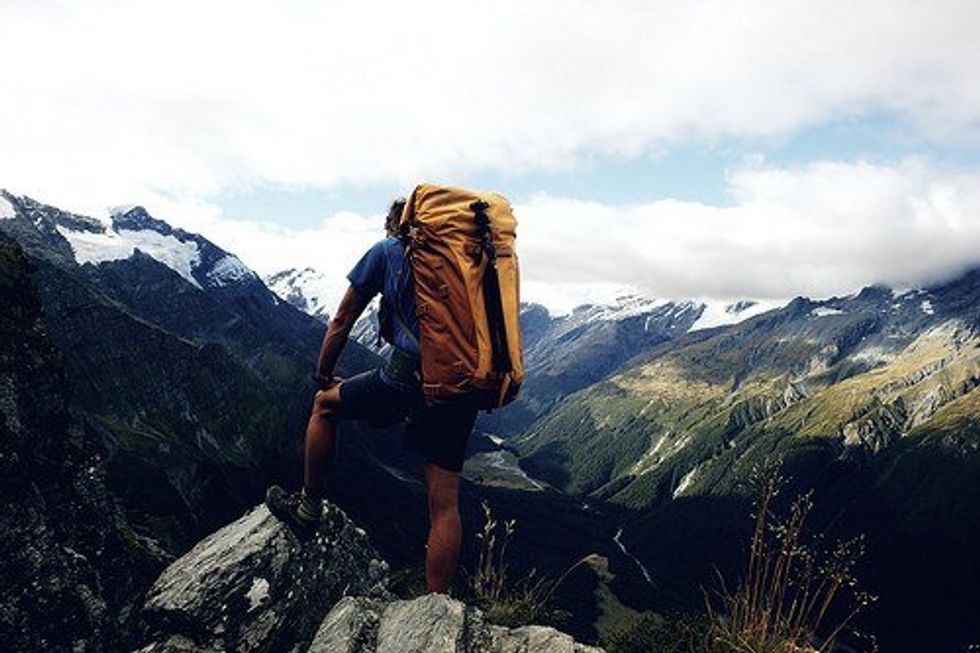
(153, 385)
(179, 389)
(563, 352)
(660, 411)
(872, 401)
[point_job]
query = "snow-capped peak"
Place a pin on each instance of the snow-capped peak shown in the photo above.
(309, 290)
(622, 307)
(130, 228)
(137, 218)
(122, 209)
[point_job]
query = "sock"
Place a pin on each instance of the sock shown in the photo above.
(310, 506)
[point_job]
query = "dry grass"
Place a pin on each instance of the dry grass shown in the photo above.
(794, 596)
(504, 600)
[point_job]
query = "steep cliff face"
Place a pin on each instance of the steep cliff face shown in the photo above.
(252, 586)
(191, 373)
(71, 565)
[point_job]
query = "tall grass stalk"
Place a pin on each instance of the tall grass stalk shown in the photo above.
(502, 599)
(792, 593)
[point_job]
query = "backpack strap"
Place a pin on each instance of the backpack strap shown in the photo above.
(408, 332)
(491, 291)
(384, 322)
(406, 244)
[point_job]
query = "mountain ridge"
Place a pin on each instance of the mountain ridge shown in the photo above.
(871, 400)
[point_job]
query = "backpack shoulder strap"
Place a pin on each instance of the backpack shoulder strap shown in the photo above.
(408, 332)
(395, 314)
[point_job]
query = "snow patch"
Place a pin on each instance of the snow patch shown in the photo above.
(258, 593)
(6, 209)
(177, 255)
(825, 311)
(719, 313)
(926, 307)
(899, 293)
(96, 246)
(562, 299)
(228, 269)
(109, 245)
(624, 306)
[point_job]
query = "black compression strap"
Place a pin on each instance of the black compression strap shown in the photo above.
(491, 290)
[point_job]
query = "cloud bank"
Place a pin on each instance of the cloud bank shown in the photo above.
(178, 100)
(170, 104)
(820, 229)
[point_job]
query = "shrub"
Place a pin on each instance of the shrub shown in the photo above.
(674, 633)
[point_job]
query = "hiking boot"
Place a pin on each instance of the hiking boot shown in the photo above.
(286, 507)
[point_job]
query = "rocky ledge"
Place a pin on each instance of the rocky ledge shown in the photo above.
(252, 586)
(434, 623)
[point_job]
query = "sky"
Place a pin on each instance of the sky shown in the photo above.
(692, 149)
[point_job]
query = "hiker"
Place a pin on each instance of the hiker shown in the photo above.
(448, 257)
(383, 397)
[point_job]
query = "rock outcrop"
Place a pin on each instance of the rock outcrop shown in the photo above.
(252, 586)
(71, 566)
(434, 623)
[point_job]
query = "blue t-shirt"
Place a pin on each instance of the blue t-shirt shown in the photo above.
(385, 269)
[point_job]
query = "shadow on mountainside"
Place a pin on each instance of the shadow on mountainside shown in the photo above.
(915, 503)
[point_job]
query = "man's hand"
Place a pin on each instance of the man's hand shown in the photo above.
(325, 382)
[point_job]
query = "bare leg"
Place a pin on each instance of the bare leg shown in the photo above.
(321, 441)
(445, 530)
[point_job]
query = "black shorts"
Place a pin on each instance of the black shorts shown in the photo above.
(437, 432)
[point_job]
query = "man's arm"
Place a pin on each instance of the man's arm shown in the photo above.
(351, 307)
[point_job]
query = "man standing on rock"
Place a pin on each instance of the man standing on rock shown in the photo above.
(384, 397)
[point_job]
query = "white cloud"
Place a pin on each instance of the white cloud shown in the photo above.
(167, 104)
(820, 229)
(125, 101)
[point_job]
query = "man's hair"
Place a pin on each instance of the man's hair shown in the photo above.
(394, 217)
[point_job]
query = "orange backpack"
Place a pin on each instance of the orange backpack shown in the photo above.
(461, 249)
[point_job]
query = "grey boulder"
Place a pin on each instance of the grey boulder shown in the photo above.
(252, 586)
(433, 623)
